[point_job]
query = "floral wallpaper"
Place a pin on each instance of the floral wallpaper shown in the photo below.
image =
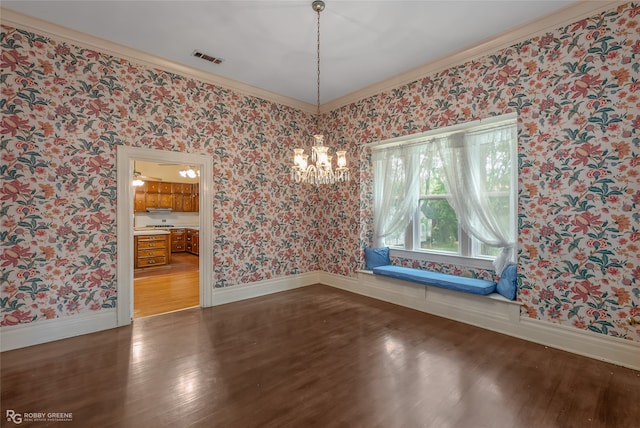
(65, 110)
(577, 94)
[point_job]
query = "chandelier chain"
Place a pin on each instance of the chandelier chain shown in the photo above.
(318, 75)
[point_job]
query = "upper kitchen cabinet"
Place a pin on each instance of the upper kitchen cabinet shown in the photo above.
(139, 202)
(151, 186)
(187, 202)
(179, 197)
(165, 199)
(181, 194)
(196, 197)
(176, 188)
(152, 199)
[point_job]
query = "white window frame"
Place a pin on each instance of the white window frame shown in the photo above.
(467, 255)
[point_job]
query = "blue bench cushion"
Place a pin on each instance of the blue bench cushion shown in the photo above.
(442, 280)
(508, 283)
(375, 257)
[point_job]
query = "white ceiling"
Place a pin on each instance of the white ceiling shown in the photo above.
(272, 44)
(163, 171)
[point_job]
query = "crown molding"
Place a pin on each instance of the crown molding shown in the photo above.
(582, 9)
(572, 13)
(78, 38)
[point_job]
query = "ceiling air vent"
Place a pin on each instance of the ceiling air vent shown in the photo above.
(206, 57)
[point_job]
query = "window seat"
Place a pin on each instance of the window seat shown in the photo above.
(436, 279)
(492, 311)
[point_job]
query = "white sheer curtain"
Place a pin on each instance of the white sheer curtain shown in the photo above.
(396, 187)
(468, 184)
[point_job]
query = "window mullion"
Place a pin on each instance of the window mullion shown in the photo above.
(412, 230)
(465, 244)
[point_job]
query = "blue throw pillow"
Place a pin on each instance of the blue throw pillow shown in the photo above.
(508, 283)
(375, 257)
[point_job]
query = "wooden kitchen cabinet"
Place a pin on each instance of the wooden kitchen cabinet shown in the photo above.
(151, 200)
(180, 197)
(178, 240)
(176, 188)
(164, 196)
(151, 186)
(187, 203)
(176, 197)
(152, 250)
(196, 243)
(196, 198)
(139, 202)
(165, 200)
(193, 241)
(164, 187)
(177, 202)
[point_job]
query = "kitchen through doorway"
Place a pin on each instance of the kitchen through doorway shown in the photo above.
(166, 231)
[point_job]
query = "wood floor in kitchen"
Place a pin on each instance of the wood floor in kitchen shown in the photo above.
(163, 289)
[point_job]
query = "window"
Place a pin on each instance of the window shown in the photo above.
(451, 192)
(435, 221)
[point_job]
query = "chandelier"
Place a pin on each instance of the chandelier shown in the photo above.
(320, 170)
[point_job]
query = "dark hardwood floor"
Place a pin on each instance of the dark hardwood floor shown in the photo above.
(313, 357)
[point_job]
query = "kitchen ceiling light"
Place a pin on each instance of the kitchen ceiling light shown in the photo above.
(190, 173)
(137, 181)
(320, 170)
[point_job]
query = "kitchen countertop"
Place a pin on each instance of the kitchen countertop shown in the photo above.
(150, 232)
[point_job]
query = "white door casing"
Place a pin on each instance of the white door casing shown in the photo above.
(125, 222)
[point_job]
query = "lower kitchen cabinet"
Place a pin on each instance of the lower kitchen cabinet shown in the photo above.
(151, 250)
(193, 241)
(178, 240)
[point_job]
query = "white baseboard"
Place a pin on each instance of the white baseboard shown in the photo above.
(495, 314)
(34, 333)
(582, 342)
(262, 288)
(491, 313)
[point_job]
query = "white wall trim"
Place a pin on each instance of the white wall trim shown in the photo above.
(125, 157)
(569, 14)
(582, 342)
(500, 315)
(239, 292)
(34, 333)
(497, 315)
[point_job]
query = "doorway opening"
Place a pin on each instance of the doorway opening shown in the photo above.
(150, 260)
(166, 238)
